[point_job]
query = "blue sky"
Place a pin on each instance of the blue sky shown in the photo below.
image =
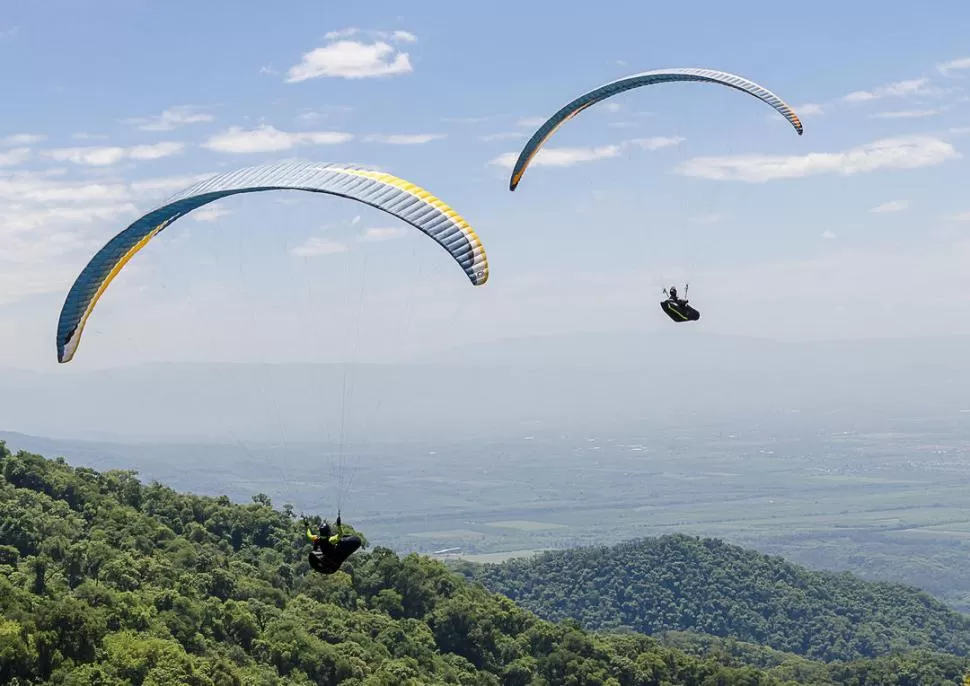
(111, 106)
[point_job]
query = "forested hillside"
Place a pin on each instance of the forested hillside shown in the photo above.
(915, 667)
(707, 586)
(106, 581)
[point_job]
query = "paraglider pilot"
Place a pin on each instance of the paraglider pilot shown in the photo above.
(330, 549)
(677, 308)
(673, 296)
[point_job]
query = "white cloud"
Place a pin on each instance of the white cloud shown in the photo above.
(350, 60)
(506, 160)
(109, 155)
(383, 233)
(49, 227)
(319, 246)
(342, 33)
(322, 112)
(35, 264)
(464, 120)
(270, 139)
(22, 218)
(11, 158)
(905, 114)
(172, 118)
(560, 157)
(828, 235)
(898, 89)
(155, 151)
(612, 106)
(9, 33)
(268, 69)
(209, 213)
(503, 136)
(531, 122)
(892, 206)
(84, 136)
(908, 152)
(960, 217)
(39, 188)
(165, 185)
(404, 139)
(310, 116)
(566, 157)
(707, 219)
(22, 139)
(400, 36)
(44, 189)
(96, 156)
(810, 109)
(954, 65)
(656, 142)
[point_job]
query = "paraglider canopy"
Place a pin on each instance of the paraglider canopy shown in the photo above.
(647, 78)
(381, 190)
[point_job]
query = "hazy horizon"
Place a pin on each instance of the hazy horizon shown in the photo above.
(882, 497)
(542, 385)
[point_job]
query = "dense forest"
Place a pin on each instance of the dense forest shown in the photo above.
(107, 581)
(916, 667)
(707, 586)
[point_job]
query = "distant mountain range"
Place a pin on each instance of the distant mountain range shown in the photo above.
(507, 388)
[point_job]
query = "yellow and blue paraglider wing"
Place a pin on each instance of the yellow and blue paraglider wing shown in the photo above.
(381, 190)
(648, 78)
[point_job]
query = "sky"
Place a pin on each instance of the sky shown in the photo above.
(856, 229)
